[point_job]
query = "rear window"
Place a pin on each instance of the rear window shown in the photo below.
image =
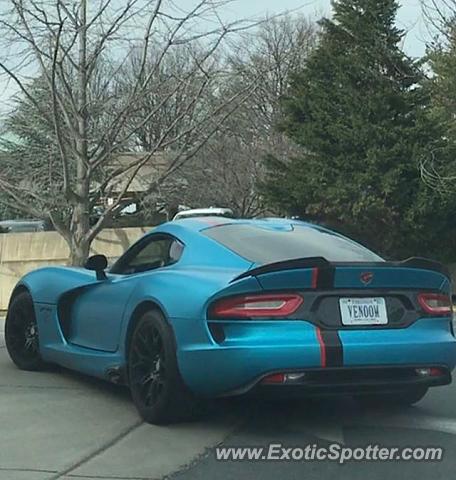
(274, 244)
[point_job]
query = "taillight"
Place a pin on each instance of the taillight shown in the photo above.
(261, 305)
(435, 303)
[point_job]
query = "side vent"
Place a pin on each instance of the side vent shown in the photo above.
(217, 332)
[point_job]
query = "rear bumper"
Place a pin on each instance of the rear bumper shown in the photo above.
(358, 380)
(251, 350)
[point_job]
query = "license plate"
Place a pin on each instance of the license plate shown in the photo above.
(363, 311)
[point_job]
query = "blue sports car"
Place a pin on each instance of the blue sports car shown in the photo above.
(215, 307)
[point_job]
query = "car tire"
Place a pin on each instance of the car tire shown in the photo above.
(21, 334)
(156, 385)
(403, 398)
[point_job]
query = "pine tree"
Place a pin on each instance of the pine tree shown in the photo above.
(441, 85)
(358, 112)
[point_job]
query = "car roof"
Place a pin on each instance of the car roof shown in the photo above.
(201, 223)
(210, 251)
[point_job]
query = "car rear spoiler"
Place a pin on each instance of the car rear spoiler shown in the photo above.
(325, 266)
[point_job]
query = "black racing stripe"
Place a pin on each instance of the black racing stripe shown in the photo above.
(334, 349)
(325, 279)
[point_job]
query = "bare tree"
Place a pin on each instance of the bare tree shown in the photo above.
(231, 164)
(278, 51)
(66, 44)
(224, 174)
(433, 176)
(275, 52)
(438, 167)
(440, 16)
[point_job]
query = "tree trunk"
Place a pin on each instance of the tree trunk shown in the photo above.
(79, 252)
(80, 222)
(79, 241)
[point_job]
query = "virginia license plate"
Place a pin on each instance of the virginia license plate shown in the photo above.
(363, 311)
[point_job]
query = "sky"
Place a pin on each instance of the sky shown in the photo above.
(409, 19)
(409, 16)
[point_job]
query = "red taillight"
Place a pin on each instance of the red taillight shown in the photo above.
(261, 305)
(435, 303)
(436, 372)
(274, 379)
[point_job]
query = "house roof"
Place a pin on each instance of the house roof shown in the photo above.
(148, 173)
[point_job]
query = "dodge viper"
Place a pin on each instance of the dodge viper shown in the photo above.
(210, 307)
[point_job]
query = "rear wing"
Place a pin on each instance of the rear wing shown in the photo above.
(327, 268)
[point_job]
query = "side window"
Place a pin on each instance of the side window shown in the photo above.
(158, 252)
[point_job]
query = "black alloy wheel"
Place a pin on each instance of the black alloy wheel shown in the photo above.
(156, 385)
(148, 364)
(21, 334)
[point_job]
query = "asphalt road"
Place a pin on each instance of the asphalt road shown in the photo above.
(58, 425)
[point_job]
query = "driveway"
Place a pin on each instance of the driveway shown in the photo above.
(58, 425)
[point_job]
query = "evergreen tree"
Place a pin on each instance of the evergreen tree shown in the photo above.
(359, 113)
(441, 86)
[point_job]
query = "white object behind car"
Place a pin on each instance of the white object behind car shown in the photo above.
(204, 212)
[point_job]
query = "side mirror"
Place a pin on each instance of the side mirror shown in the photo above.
(98, 263)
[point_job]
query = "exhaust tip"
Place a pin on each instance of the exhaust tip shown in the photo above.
(429, 372)
(280, 378)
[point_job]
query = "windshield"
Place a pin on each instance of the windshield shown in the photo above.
(265, 244)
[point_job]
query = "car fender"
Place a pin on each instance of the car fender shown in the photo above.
(181, 295)
(46, 285)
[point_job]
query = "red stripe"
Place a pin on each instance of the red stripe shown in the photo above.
(322, 348)
(314, 277)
